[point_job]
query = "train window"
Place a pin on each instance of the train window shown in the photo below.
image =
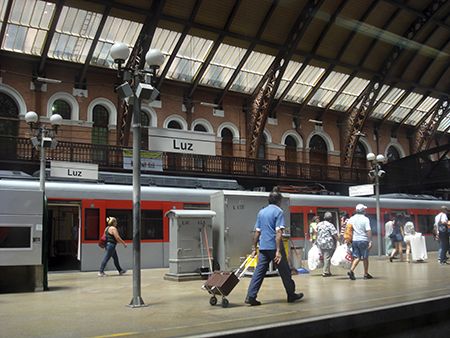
(91, 224)
(425, 224)
(124, 222)
(152, 224)
(297, 225)
(196, 206)
(373, 223)
(15, 237)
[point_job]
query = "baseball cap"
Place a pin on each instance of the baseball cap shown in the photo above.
(360, 207)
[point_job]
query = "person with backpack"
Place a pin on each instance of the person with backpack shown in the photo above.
(327, 237)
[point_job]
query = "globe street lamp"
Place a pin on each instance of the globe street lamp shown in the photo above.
(136, 87)
(375, 174)
(43, 137)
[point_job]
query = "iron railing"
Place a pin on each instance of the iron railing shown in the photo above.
(111, 158)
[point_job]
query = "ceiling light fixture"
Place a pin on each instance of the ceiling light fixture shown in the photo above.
(315, 121)
(208, 104)
(47, 80)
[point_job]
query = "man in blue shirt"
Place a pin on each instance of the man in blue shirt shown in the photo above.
(268, 232)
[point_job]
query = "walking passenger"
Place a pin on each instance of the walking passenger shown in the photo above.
(397, 237)
(112, 238)
(388, 227)
(441, 229)
(327, 237)
(313, 229)
(361, 241)
(409, 234)
(268, 232)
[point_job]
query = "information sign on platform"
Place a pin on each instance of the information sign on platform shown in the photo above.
(74, 170)
(361, 190)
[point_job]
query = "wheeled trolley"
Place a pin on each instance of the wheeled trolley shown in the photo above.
(221, 283)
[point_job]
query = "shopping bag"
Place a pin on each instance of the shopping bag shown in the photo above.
(342, 257)
(315, 259)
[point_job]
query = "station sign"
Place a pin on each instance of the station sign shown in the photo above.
(181, 141)
(74, 170)
(361, 190)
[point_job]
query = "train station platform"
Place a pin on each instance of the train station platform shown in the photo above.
(403, 300)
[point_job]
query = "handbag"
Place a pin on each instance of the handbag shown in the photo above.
(102, 240)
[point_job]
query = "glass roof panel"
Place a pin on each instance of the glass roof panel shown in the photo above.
(421, 111)
(252, 72)
(405, 107)
(191, 55)
(445, 123)
(328, 90)
(74, 34)
(115, 30)
(289, 73)
(165, 40)
(222, 66)
(387, 103)
(350, 94)
(27, 25)
(304, 84)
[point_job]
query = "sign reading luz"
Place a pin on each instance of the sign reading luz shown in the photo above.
(74, 170)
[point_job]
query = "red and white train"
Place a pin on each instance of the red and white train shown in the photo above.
(77, 214)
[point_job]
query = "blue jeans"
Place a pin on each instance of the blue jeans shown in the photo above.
(110, 252)
(264, 258)
(443, 246)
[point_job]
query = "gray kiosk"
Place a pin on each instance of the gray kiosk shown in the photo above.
(21, 237)
(234, 223)
(190, 244)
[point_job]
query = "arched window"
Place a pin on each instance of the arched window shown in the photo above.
(227, 149)
(359, 158)
(100, 117)
(200, 127)
(290, 155)
(392, 154)
(9, 116)
(262, 148)
(62, 108)
(290, 152)
(174, 125)
(318, 150)
(145, 123)
(318, 157)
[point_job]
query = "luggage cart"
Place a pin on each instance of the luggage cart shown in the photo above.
(221, 283)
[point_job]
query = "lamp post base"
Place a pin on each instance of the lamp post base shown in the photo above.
(137, 302)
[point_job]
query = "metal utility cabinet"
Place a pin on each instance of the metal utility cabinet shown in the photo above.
(190, 240)
(234, 223)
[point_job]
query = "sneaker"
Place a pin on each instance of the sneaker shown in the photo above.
(351, 275)
(102, 274)
(295, 297)
(122, 272)
(327, 274)
(368, 276)
(252, 301)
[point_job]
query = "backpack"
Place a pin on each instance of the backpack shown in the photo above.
(348, 233)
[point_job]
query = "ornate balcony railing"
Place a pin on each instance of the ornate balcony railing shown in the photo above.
(111, 158)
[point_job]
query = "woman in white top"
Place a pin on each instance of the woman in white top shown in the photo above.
(409, 233)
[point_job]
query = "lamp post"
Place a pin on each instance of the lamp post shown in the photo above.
(43, 137)
(376, 173)
(140, 89)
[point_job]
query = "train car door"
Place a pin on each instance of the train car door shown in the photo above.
(334, 212)
(64, 236)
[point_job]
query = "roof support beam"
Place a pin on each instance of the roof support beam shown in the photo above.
(213, 50)
(180, 41)
(248, 52)
(5, 20)
(49, 36)
(357, 117)
(82, 76)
